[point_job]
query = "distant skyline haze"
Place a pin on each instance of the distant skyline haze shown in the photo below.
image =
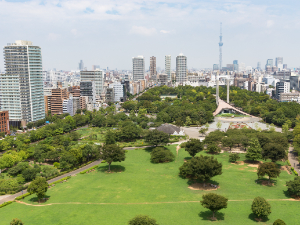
(110, 32)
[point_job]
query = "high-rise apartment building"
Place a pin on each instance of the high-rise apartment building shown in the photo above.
(235, 65)
(138, 68)
(181, 68)
(168, 66)
(97, 76)
(153, 72)
(216, 67)
(81, 65)
(258, 66)
(22, 84)
(269, 63)
(278, 61)
(95, 67)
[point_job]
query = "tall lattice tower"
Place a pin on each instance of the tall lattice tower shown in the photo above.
(220, 48)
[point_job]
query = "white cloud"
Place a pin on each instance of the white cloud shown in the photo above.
(53, 36)
(270, 23)
(165, 31)
(74, 32)
(142, 30)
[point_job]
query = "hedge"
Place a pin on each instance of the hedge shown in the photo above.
(5, 204)
(22, 196)
(58, 181)
(84, 171)
(295, 172)
(288, 162)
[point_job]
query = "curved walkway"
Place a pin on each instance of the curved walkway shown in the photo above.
(72, 173)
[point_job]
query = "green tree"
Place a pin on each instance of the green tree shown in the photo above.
(245, 141)
(110, 138)
(268, 168)
(279, 222)
(214, 202)
(161, 155)
(156, 137)
(188, 121)
(260, 207)
(142, 220)
(201, 168)
(112, 153)
(294, 186)
(39, 187)
(228, 142)
(234, 157)
(273, 151)
(219, 125)
(193, 146)
(16, 221)
(213, 148)
(254, 151)
(203, 130)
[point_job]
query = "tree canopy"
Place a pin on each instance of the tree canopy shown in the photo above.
(112, 153)
(39, 187)
(214, 202)
(201, 168)
(193, 146)
(268, 168)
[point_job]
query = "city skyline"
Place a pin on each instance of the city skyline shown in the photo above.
(252, 31)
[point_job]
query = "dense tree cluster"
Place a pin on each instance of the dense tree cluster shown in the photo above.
(259, 145)
(260, 104)
(193, 105)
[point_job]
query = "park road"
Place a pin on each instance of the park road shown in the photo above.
(72, 173)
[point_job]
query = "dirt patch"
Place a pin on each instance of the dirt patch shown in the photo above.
(200, 186)
(239, 163)
(253, 164)
(284, 168)
(241, 168)
(265, 183)
(258, 219)
(296, 197)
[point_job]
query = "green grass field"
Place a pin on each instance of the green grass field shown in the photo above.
(140, 187)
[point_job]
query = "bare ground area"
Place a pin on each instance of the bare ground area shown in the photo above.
(200, 186)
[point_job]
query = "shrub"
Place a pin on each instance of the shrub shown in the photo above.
(103, 161)
(16, 221)
(161, 154)
(142, 220)
(5, 204)
(63, 179)
(234, 157)
(22, 196)
(56, 164)
(84, 171)
(279, 222)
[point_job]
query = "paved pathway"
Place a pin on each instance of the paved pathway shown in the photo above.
(72, 173)
(292, 158)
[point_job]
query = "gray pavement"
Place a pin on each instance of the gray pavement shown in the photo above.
(72, 173)
(293, 160)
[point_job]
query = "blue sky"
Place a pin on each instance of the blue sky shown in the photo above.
(110, 32)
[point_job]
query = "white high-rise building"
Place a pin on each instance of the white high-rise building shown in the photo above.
(118, 91)
(181, 68)
(168, 67)
(242, 67)
(278, 61)
(97, 76)
(22, 84)
(138, 68)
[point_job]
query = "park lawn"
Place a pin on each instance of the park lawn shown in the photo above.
(141, 182)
